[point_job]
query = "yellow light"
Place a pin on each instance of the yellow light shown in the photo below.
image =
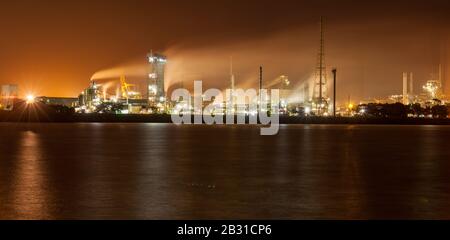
(350, 106)
(30, 99)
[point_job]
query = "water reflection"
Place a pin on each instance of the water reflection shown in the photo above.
(163, 171)
(29, 188)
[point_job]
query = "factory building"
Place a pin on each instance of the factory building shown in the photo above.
(90, 97)
(156, 89)
(58, 101)
(94, 99)
(285, 94)
(9, 94)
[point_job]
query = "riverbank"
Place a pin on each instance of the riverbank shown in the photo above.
(163, 118)
(47, 114)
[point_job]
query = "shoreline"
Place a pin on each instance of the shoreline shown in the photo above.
(35, 117)
(41, 113)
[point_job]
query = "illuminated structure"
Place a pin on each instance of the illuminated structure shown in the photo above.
(334, 71)
(156, 89)
(320, 99)
(58, 101)
(434, 89)
(8, 96)
(91, 97)
(405, 89)
(94, 99)
(126, 89)
(285, 93)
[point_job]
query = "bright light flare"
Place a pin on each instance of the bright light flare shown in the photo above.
(307, 110)
(30, 99)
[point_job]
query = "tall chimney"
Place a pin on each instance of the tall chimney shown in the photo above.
(260, 86)
(411, 83)
(232, 75)
(232, 79)
(405, 88)
(334, 91)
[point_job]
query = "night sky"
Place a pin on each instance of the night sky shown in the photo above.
(55, 47)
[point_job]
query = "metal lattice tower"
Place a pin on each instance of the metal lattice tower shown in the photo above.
(320, 85)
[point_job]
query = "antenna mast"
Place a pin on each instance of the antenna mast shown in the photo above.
(319, 101)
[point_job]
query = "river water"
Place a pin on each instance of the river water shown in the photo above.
(164, 171)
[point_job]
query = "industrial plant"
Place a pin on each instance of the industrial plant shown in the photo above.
(315, 98)
(128, 99)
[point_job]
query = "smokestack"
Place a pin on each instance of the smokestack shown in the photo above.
(411, 84)
(334, 91)
(405, 88)
(260, 86)
(260, 78)
(232, 75)
(232, 84)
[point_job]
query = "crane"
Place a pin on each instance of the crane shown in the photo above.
(127, 91)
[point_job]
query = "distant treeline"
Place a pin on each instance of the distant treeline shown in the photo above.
(399, 110)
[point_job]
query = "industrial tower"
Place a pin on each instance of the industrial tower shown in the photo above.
(156, 89)
(232, 79)
(232, 90)
(320, 97)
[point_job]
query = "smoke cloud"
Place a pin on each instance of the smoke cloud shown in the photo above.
(370, 58)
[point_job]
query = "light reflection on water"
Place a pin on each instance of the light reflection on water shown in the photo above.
(29, 186)
(163, 171)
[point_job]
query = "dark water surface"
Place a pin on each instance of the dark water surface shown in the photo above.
(163, 171)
